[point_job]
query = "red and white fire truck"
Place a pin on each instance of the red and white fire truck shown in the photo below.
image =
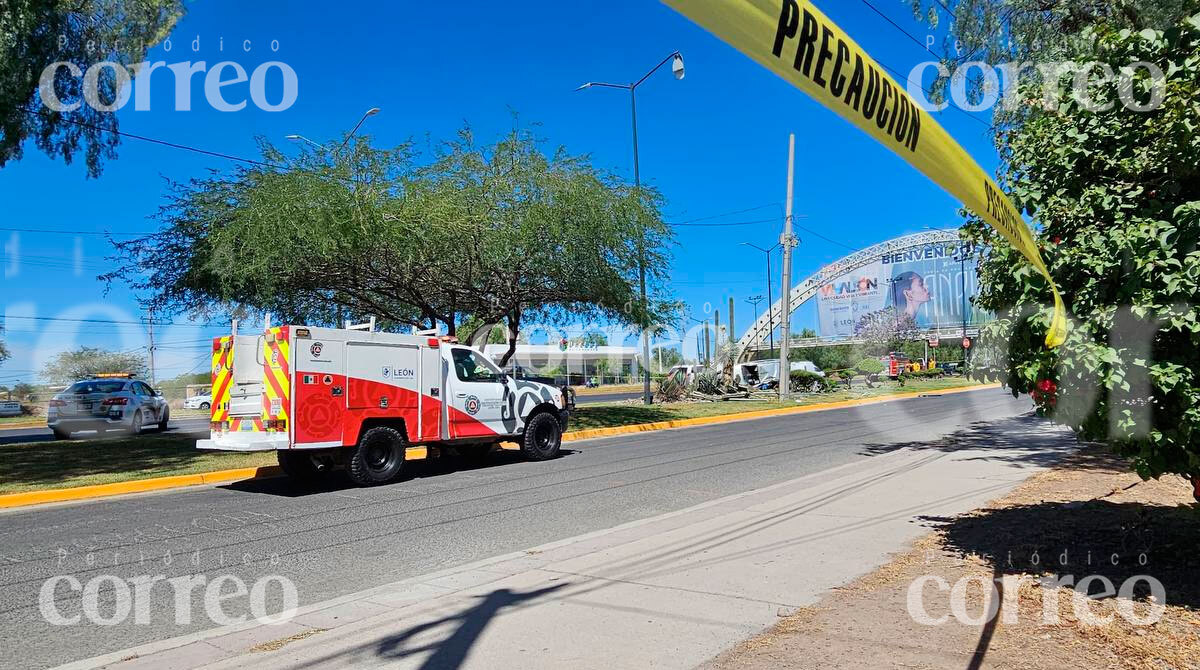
(367, 401)
(894, 364)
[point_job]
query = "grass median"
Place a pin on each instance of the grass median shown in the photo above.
(33, 466)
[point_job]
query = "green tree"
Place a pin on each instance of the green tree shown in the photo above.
(37, 33)
(499, 233)
(670, 358)
(1117, 197)
(71, 366)
(4, 353)
(1028, 31)
(23, 392)
(594, 339)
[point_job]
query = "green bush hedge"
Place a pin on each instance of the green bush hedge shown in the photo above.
(870, 366)
(804, 381)
(922, 374)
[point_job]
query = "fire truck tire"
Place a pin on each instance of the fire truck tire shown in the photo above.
(298, 465)
(378, 458)
(543, 437)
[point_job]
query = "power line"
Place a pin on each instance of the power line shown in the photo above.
(72, 232)
(110, 321)
(729, 223)
(902, 77)
(165, 143)
(948, 10)
(897, 26)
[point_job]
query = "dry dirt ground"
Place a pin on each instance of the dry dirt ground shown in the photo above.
(1088, 512)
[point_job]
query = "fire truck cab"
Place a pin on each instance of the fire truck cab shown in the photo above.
(368, 401)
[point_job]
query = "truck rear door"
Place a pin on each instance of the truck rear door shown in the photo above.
(237, 383)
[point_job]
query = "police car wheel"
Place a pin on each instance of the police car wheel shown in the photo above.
(166, 418)
(378, 457)
(135, 427)
(543, 437)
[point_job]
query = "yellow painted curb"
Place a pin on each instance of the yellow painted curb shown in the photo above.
(221, 476)
(135, 486)
(22, 426)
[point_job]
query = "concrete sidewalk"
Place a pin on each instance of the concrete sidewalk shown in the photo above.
(668, 591)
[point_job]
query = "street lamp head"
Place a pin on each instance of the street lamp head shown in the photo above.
(294, 138)
(587, 85)
(372, 111)
(677, 66)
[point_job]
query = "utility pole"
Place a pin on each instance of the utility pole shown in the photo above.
(707, 348)
(717, 328)
(787, 241)
(150, 322)
(731, 335)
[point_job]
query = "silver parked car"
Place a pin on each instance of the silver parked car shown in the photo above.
(107, 403)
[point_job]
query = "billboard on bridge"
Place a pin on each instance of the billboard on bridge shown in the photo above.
(924, 281)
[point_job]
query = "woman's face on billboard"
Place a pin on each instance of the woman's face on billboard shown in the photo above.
(916, 294)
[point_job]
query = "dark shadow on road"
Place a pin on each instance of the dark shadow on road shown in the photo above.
(338, 481)
(450, 652)
(1020, 440)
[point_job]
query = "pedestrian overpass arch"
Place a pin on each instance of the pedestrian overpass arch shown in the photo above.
(806, 290)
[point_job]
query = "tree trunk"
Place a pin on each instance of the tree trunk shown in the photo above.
(514, 325)
(484, 331)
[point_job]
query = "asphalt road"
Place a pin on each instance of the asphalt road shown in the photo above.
(342, 539)
(43, 434)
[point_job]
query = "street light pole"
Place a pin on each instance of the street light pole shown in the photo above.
(962, 264)
(677, 69)
(370, 112)
(770, 298)
(754, 300)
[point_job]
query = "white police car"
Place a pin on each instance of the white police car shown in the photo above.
(201, 401)
(107, 402)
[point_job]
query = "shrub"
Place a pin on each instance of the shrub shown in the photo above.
(804, 381)
(869, 366)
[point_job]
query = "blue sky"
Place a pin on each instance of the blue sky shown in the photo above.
(715, 142)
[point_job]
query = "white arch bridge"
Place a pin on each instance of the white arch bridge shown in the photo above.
(755, 337)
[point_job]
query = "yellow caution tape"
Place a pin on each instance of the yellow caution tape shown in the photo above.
(793, 39)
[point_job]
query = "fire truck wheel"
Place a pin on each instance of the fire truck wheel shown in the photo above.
(378, 458)
(543, 437)
(299, 466)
